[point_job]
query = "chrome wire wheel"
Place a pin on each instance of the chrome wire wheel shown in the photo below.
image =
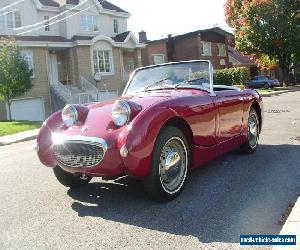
(253, 131)
(173, 165)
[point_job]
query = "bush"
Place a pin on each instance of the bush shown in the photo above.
(232, 76)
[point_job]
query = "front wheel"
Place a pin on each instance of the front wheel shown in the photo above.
(169, 166)
(70, 180)
(251, 143)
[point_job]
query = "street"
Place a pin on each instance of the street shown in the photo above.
(235, 194)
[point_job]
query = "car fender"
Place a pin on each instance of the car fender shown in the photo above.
(142, 134)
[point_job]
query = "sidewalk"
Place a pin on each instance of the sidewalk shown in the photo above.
(19, 137)
(292, 227)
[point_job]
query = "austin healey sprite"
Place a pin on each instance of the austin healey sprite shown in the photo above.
(170, 119)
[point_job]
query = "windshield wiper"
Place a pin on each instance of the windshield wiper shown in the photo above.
(188, 81)
(154, 83)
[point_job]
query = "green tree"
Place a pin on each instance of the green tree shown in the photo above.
(15, 74)
(267, 28)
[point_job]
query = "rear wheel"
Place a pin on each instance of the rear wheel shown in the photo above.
(266, 86)
(169, 166)
(251, 143)
(70, 180)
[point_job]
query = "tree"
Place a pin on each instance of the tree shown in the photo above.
(15, 73)
(267, 28)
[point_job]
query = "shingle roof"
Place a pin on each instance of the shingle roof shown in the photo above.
(121, 37)
(51, 3)
(105, 4)
(243, 59)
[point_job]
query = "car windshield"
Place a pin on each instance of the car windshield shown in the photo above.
(175, 75)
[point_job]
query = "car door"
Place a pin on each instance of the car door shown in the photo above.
(229, 104)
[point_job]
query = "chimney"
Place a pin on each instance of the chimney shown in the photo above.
(169, 36)
(143, 37)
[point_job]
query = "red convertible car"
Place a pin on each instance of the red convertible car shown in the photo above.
(170, 119)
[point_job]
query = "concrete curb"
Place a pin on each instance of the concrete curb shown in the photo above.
(291, 227)
(19, 137)
(273, 93)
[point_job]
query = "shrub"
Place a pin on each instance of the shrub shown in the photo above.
(232, 76)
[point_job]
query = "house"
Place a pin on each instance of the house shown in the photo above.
(237, 59)
(66, 42)
(210, 44)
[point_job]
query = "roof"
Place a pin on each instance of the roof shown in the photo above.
(50, 3)
(239, 57)
(105, 4)
(215, 29)
(121, 37)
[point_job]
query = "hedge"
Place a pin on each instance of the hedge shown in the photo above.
(232, 76)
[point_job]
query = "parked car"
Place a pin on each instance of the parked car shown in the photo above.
(262, 82)
(169, 120)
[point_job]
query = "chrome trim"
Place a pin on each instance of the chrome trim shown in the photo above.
(59, 139)
(84, 139)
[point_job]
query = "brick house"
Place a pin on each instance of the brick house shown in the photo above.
(66, 42)
(209, 44)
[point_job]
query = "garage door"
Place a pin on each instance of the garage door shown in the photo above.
(27, 109)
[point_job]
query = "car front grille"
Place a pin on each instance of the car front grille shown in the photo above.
(78, 154)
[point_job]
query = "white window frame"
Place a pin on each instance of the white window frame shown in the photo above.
(116, 26)
(47, 22)
(221, 45)
(96, 64)
(85, 26)
(203, 51)
(155, 56)
(14, 20)
(28, 57)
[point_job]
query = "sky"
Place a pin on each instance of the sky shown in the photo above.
(162, 17)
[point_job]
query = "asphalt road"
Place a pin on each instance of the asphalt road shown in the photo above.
(235, 194)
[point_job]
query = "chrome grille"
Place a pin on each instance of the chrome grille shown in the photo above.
(78, 154)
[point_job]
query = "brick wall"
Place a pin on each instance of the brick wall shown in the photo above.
(186, 48)
(155, 47)
(40, 82)
(80, 59)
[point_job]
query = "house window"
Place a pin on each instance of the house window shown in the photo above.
(103, 61)
(10, 20)
(221, 49)
(28, 57)
(47, 26)
(206, 48)
(158, 59)
(88, 23)
(116, 26)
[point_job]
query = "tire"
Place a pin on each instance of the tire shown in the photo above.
(169, 165)
(70, 180)
(266, 86)
(251, 143)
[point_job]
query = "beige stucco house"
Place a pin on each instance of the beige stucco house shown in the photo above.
(67, 42)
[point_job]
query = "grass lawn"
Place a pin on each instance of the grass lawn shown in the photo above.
(9, 128)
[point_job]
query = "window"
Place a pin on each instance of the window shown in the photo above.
(28, 57)
(47, 26)
(88, 23)
(10, 20)
(206, 48)
(116, 26)
(158, 59)
(103, 61)
(221, 49)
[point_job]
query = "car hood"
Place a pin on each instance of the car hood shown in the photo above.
(99, 123)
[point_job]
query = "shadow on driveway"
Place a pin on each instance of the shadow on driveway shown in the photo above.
(235, 194)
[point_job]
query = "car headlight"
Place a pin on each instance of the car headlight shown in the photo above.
(120, 113)
(69, 115)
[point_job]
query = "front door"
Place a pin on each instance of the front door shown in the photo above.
(52, 68)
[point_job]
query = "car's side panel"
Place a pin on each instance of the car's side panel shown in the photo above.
(229, 104)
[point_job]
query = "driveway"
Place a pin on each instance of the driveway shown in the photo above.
(235, 194)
